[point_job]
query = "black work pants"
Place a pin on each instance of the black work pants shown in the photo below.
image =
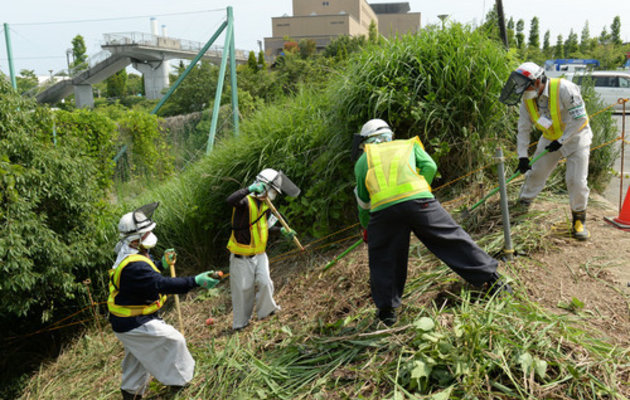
(388, 247)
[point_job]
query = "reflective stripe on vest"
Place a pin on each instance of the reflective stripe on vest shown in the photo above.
(392, 173)
(114, 288)
(258, 231)
(557, 126)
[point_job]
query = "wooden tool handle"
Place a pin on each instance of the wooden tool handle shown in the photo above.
(283, 222)
(179, 310)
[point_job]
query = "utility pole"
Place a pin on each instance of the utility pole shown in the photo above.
(7, 38)
(501, 18)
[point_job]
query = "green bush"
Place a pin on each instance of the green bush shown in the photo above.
(55, 227)
(95, 134)
(441, 84)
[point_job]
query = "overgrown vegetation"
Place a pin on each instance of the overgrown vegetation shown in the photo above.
(299, 117)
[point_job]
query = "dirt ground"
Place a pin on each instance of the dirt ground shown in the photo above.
(595, 272)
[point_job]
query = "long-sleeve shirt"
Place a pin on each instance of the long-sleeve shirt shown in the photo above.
(140, 284)
(240, 221)
(425, 166)
(572, 113)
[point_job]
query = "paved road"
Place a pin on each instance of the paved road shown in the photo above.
(612, 191)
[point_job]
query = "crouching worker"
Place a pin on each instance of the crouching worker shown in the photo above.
(136, 293)
(250, 280)
(394, 197)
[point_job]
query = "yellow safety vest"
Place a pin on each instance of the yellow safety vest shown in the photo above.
(554, 132)
(114, 288)
(258, 231)
(392, 173)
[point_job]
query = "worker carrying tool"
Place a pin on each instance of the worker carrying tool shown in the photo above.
(250, 280)
(554, 107)
(137, 292)
(394, 198)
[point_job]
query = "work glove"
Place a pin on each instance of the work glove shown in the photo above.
(523, 165)
(168, 258)
(288, 234)
(257, 187)
(216, 274)
(205, 280)
(553, 146)
(364, 235)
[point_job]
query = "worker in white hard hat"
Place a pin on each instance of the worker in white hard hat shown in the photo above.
(137, 292)
(554, 107)
(250, 280)
(394, 198)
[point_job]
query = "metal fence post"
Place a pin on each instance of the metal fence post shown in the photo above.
(508, 250)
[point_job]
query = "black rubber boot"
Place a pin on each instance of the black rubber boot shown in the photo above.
(497, 285)
(578, 229)
(387, 315)
(128, 396)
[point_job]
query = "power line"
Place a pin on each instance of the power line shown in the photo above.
(115, 18)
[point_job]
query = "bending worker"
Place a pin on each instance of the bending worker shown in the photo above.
(554, 107)
(136, 294)
(394, 199)
(249, 264)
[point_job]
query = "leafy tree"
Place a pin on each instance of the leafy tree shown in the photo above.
(585, 38)
(510, 33)
(117, 84)
(195, 93)
(558, 50)
(615, 29)
(252, 64)
(341, 46)
(262, 63)
(79, 55)
(571, 45)
(51, 215)
(26, 81)
(604, 37)
(534, 35)
(520, 36)
(307, 47)
(373, 35)
(135, 85)
(547, 50)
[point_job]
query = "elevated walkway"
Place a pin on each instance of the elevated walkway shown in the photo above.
(148, 53)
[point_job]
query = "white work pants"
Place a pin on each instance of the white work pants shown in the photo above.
(577, 155)
(158, 349)
(250, 282)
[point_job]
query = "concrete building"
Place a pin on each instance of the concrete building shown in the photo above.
(323, 20)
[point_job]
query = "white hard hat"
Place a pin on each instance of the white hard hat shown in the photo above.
(520, 80)
(278, 181)
(138, 222)
(375, 127)
(530, 70)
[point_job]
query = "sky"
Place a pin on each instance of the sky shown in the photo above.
(42, 31)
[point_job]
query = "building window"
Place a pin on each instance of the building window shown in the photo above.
(283, 24)
(325, 3)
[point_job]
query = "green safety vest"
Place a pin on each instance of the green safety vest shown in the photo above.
(392, 173)
(114, 288)
(554, 132)
(258, 231)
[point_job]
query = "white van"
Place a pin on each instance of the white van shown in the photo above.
(610, 85)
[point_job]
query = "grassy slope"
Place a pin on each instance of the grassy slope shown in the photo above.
(543, 343)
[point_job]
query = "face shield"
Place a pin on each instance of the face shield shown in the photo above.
(514, 88)
(278, 182)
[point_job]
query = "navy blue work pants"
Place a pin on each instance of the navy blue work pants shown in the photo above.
(388, 247)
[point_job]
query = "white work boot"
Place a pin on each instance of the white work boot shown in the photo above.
(578, 230)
